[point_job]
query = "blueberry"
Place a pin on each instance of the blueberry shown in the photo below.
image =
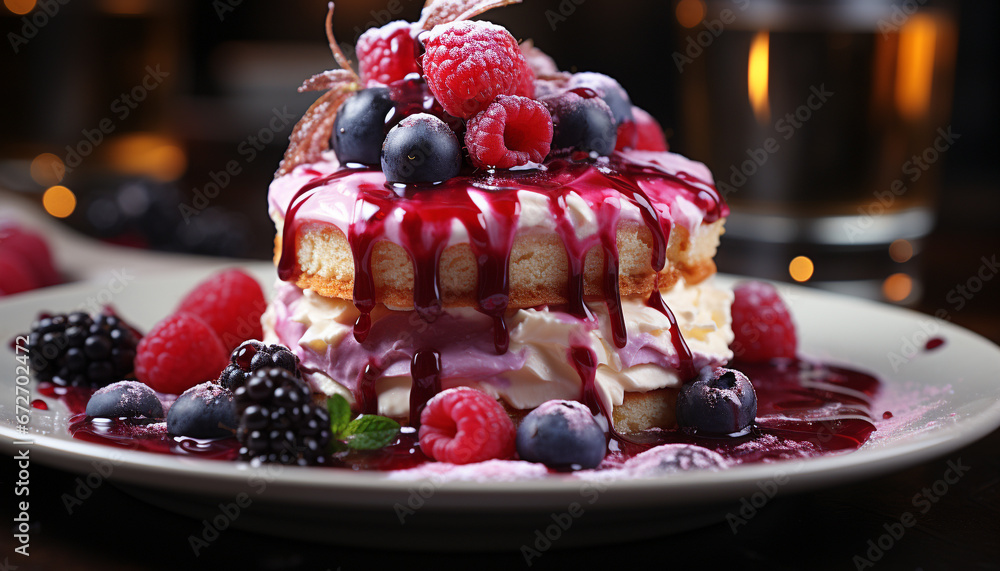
(561, 434)
(129, 399)
(718, 403)
(359, 128)
(581, 122)
(203, 411)
(421, 148)
(609, 90)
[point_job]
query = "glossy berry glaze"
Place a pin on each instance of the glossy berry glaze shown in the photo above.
(421, 218)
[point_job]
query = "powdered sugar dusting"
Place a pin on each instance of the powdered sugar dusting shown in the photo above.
(489, 471)
(209, 391)
(914, 409)
(125, 398)
(578, 416)
(660, 461)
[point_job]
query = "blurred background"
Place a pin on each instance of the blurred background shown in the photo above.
(854, 140)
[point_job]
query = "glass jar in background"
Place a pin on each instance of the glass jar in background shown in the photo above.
(825, 124)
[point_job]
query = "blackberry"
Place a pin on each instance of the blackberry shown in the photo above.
(278, 421)
(252, 356)
(79, 350)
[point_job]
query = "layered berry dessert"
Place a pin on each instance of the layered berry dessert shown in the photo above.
(482, 260)
(485, 220)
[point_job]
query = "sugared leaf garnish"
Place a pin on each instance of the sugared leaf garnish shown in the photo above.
(312, 133)
(328, 80)
(443, 11)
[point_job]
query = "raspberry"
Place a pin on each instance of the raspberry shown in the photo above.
(80, 350)
(252, 356)
(231, 303)
(278, 421)
(180, 352)
(762, 326)
(33, 252)
(512, 131)
(463, 425)
(15, 277)
(650, 135)
(469, 63)
(526, 88)
(387, 54)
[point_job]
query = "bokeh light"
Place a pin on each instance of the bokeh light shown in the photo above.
(148, 154)
(690, 12)
(19, 7)
(757, 76)
(47, 169)
(801, 268)
(901, 251)
(59, 201)
(897, 287)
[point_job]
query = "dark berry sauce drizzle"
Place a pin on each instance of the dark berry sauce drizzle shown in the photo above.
(685, 358)
(805, 409)
(428, 211)
(425, 370)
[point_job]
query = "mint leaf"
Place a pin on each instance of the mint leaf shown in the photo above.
(340, 414)
(371, 432)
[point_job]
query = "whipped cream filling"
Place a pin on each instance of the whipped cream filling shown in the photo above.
(537, 366)
(335, 203)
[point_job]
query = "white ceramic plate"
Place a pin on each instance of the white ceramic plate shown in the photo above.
(941, 400)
